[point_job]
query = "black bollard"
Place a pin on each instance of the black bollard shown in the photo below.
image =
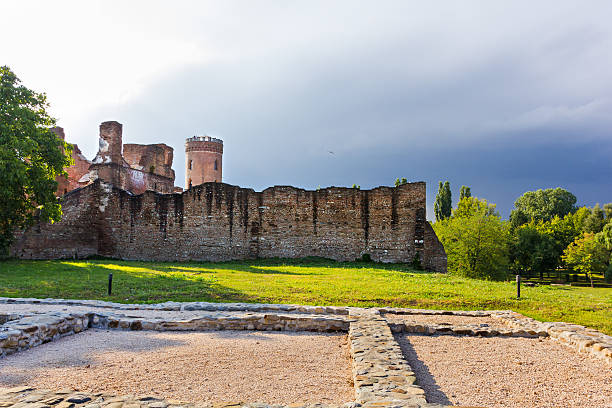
(110, 283)
(518, 286)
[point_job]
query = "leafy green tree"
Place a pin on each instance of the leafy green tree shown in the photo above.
(469, 206)
(532, 249)
(31, 157)
(579, 219)
(587, 255)
(542, 205)
(605, 236)
(464, 192)
(595, 221)
(476, 240)
(443, 205)
(562, 231)
(357, 187)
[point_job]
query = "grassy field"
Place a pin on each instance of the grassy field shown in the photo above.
(304, 282)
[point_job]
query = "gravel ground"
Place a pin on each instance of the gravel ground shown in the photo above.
(201, 367)
(440, 319)
(506, 372)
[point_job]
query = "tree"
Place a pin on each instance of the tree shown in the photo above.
(532, 250)
(607, 208)
(587, 255)
(595, 221)
(443, 205)
(605, 236)
(542, 205)
(31, 157)
(470, 206)
(464, 192)
(562, 231)
(399, 182)
(475, 239)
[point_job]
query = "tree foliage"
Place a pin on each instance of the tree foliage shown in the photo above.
(587, 255)
(542, 205)
(443, 205)
(533, 249)
(595, 221)
(399, 182)
(31, 157)
(464, 192)
(475, 239)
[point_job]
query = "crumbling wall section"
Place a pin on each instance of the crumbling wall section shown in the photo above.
(218, 222)
(75, 236)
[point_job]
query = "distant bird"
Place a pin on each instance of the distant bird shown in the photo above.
(330, 152)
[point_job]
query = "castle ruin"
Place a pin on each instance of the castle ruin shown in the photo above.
(126, 206)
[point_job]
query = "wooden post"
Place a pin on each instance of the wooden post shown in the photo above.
(518, 286)
(110, 283)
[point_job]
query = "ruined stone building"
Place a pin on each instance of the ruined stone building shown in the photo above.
(132, 167)
(126, 207)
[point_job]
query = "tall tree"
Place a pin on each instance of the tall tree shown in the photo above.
(475, 239)
(595, 221)
(464, 192)
(31, 157)
(443, 204)
(542, 205)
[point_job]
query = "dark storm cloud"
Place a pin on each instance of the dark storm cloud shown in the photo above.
(504, 112)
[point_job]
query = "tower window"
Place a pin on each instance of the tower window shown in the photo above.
(216, 165)
(190, 162)
(189, 183)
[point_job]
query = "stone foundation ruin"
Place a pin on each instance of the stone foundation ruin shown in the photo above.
(381, 374)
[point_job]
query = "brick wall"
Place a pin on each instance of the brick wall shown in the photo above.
(216, 221)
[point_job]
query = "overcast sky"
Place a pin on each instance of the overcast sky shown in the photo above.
(504, 97)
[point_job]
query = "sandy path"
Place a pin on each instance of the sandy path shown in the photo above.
(506, 372)
(199, 367)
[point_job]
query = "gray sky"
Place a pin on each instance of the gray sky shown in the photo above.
(502, 96)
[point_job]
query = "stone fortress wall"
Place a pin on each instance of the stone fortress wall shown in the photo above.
(219, 222)
(125, 208)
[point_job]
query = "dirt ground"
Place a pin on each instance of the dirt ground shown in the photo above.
(506, 372)
(201, 367)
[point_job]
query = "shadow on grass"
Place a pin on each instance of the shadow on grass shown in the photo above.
(132, 283)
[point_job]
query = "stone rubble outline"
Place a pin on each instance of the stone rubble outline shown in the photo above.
(381, 375)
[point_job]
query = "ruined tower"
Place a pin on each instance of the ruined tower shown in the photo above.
(203, 160)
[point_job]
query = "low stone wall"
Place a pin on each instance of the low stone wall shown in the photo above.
(381, 375)
(30, 331)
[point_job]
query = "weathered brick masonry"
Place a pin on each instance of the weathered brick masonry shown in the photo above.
(216, 221)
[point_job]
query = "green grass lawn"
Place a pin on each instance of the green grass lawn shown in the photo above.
(305, 282)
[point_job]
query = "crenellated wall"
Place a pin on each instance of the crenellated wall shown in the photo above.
(216, 222)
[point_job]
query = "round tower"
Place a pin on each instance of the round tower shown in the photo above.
(203, 160)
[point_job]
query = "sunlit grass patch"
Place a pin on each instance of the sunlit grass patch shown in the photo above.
(302, 282)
